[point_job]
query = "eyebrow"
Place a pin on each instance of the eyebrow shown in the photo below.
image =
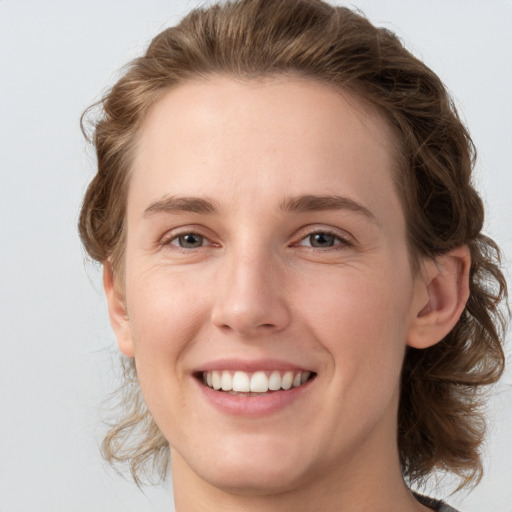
(313, 203)
(295, 204)
(174, 204)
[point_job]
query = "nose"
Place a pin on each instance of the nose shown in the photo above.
(250, 299)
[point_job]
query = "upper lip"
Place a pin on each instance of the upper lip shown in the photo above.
(252, 365)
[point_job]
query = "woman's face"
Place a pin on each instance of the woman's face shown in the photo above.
(266, 247)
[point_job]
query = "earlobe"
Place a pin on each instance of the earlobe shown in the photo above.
(119, 319)
(440, 297)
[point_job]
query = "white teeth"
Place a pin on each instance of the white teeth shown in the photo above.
(241, 382)
(287, 380)
(258, 382)
(216, 380)
(304, 377)
(226, 381)
(274, 382)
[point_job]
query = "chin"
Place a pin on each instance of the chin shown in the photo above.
(253, 468)
(249, 480)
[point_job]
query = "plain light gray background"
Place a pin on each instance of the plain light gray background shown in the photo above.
(57, 351)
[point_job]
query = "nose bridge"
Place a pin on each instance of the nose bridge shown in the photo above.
(249, 297)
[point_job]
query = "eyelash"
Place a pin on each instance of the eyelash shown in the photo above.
(175, 237)
(340, 242)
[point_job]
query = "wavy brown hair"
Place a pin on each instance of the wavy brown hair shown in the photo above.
(441, 425)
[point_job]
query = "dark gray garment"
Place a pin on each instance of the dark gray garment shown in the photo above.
(436, 505)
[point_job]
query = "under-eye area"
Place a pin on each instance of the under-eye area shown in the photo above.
(254, 383)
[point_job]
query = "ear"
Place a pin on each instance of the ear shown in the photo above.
(117, 311)
(439, 298)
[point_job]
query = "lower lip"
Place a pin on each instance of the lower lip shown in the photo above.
(253, 405)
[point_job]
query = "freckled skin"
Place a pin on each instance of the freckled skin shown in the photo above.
(255, 287)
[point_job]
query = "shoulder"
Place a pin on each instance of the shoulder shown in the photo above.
(436, 505)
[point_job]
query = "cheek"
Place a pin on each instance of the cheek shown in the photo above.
(165, 314)
(164, 322)
(361, 319)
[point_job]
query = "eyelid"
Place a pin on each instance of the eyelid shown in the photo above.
(173, 234)
(175, 241)
(346, 238)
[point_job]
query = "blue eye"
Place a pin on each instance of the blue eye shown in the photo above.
(189, 241)
(322, 239)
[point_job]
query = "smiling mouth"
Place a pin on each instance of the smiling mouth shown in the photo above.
(254, 383)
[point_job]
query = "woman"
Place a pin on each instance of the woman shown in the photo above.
(294, 264)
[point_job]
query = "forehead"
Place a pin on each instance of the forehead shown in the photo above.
(220, 106)
(236, 139)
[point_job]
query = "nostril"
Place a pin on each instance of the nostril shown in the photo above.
(248, 314)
